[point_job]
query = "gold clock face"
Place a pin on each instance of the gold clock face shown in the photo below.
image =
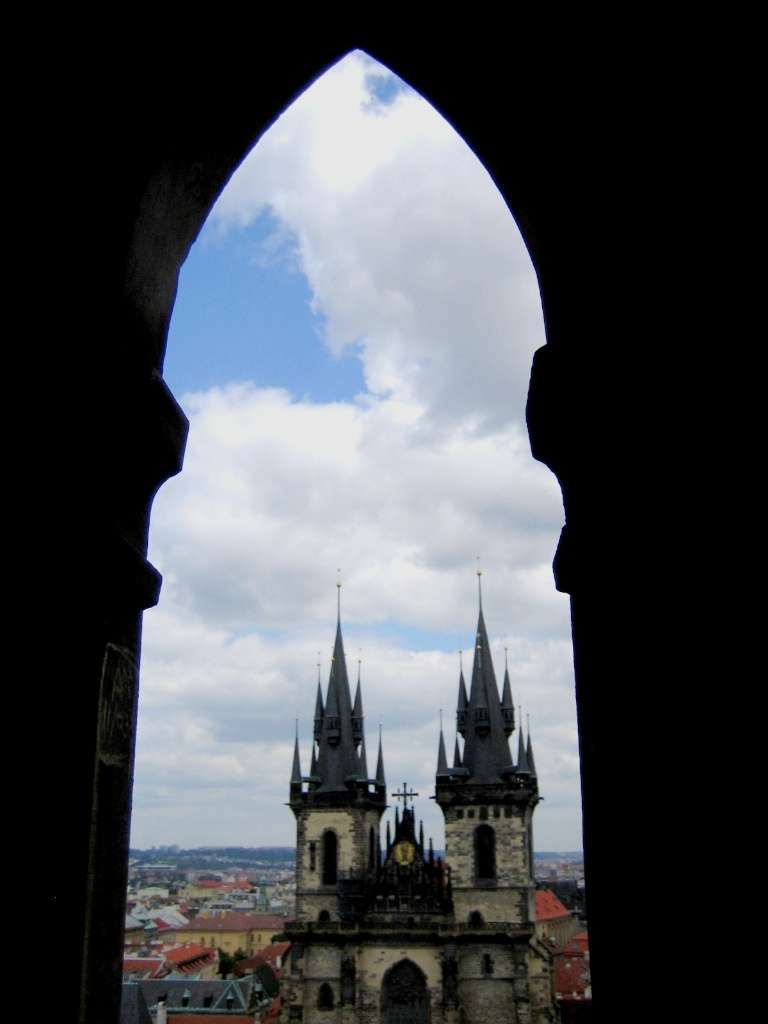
(404, 852)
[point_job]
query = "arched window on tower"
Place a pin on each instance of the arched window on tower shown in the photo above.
(485, 854)
(325, 997)
(372, 849)
(330, 858)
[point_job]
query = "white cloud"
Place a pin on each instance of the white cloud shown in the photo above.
(407, 245)
(409, 251)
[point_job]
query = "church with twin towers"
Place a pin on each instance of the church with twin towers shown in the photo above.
(386, 931)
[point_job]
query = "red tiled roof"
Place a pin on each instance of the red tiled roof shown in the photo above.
(193, 953)
(571, 964)
(249, 965)
(140, 965)
(234, 922)
(578, 945)
(549, 907)
(273, 952)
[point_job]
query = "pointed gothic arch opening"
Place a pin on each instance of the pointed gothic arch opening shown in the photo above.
(325, 882)
(325, 1000)
(404, 995)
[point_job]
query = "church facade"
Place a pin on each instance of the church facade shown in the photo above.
(385, 931)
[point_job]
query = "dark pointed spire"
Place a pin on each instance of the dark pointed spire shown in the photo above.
(461, 704)
(442, 760)
(421, 835)
(456, 755)
(529, 748)
(380, 780)
(389, 837)
(522, 767)
(507, 705)
(431, 851)
(338, 761)
(486, 750)
(296, 770)
(357, 710)
(313, 765)
(319, 711)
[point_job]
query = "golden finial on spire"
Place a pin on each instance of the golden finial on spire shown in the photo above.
(338, 594)
(479, 583)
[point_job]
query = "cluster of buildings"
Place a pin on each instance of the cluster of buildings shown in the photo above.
(383, 929)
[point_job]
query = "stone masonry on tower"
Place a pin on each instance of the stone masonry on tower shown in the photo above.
(391, 934)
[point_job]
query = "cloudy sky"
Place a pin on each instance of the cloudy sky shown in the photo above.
(352, 342)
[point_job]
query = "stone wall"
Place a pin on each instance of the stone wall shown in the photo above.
(514, 988)
(321, 964)
(511, 899)
(352, 827)
(490, 998)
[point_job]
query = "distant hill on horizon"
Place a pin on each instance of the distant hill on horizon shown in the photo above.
(289, 852)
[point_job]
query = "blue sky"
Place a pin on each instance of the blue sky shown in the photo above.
(351, 341)
(244, 312)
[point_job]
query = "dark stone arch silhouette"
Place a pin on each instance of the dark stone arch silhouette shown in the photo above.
(549, 130)
(404, 995)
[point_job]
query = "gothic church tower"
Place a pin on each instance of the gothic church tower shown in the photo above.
(390, 934)
(338, 813)
(488, 801)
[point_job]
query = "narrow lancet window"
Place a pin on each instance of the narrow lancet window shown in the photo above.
(485, 854)
(325, 997)
(330, 858)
